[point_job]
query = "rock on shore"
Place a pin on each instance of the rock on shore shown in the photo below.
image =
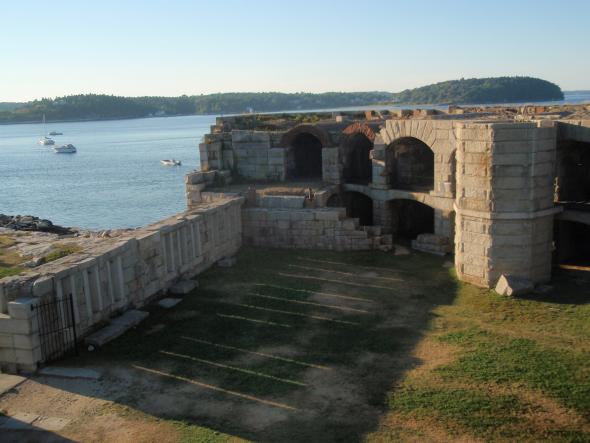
(31, 223)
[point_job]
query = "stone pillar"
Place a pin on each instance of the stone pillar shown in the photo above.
(444, 223)
(380, 178)
(277, 163)
(331, 168)
(504, 201)
(382, 215)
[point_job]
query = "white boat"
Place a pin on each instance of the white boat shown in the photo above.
(45, 141)
(65, 149)
(171, 162)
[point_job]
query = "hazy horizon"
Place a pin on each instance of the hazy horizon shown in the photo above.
(158, 48)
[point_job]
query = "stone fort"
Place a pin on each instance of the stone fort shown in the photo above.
(506, 191)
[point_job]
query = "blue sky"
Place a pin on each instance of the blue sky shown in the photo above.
(127, 47)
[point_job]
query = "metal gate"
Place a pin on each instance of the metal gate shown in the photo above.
(57, 328)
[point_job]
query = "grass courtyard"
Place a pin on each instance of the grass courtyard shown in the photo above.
(366, 346)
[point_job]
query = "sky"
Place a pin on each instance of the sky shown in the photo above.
(174, 47)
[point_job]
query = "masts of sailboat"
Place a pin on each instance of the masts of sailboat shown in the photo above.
(45, 141)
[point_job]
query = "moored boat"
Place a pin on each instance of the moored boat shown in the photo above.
(46, 141)
(65, 149)
(171, 162)
(56, 133)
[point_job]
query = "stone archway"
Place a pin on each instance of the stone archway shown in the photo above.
(410, 165)
(409, 218)
(358, 167)
(358, 205)
(304, 145)
(438, 136)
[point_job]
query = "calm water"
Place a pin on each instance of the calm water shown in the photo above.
(116, 179)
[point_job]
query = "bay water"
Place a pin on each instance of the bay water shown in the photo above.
(115, 180)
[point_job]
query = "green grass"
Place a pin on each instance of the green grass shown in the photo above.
(475, 410)
(494, 358)
(9, 260)
(507, 353)
(60, 251)
(7, 272)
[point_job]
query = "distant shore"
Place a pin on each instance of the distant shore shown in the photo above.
(567, 101)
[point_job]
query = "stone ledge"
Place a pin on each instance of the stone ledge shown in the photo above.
(507, 215)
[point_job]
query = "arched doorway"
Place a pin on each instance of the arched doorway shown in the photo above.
(410, 163)
(305, 157)
(573, 172)
(357, 205)
(572, 243)
(358, 167)
(410, 218)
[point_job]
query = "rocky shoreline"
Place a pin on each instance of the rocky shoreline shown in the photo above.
(32, 224)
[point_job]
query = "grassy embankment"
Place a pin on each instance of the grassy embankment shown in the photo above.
(11, 262)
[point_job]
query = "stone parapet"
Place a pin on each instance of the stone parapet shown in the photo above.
(111, 278)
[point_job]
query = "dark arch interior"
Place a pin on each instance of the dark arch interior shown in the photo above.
(411, 165)
(410, 218)
(358, 167)
(573, 172)
(305, 157)
(357, 206)
(572, 243)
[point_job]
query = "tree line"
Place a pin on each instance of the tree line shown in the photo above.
(99, 106)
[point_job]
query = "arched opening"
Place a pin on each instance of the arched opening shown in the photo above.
(358, 167)
(572, 243)
(573, 172)
(305, 157)
(410, 218)
(357, 205)
(410, 163)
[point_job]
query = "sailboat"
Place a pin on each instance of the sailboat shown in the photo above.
(46, 141)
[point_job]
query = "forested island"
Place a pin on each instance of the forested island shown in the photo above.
(482, 91)
(102, 107)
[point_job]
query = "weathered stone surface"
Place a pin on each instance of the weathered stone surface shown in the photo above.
(168, 303)
(183, 287)
(67, 372)
(512, 285)
(117, 327)
(9, 382)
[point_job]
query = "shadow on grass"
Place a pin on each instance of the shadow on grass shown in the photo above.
(574, 288)
(285, 346)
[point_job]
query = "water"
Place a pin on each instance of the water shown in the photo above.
(114, 181)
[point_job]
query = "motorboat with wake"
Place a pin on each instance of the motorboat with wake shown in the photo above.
(65, 149)
(171, 162)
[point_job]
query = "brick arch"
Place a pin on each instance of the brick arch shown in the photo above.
(359, 127)
(319, 133)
